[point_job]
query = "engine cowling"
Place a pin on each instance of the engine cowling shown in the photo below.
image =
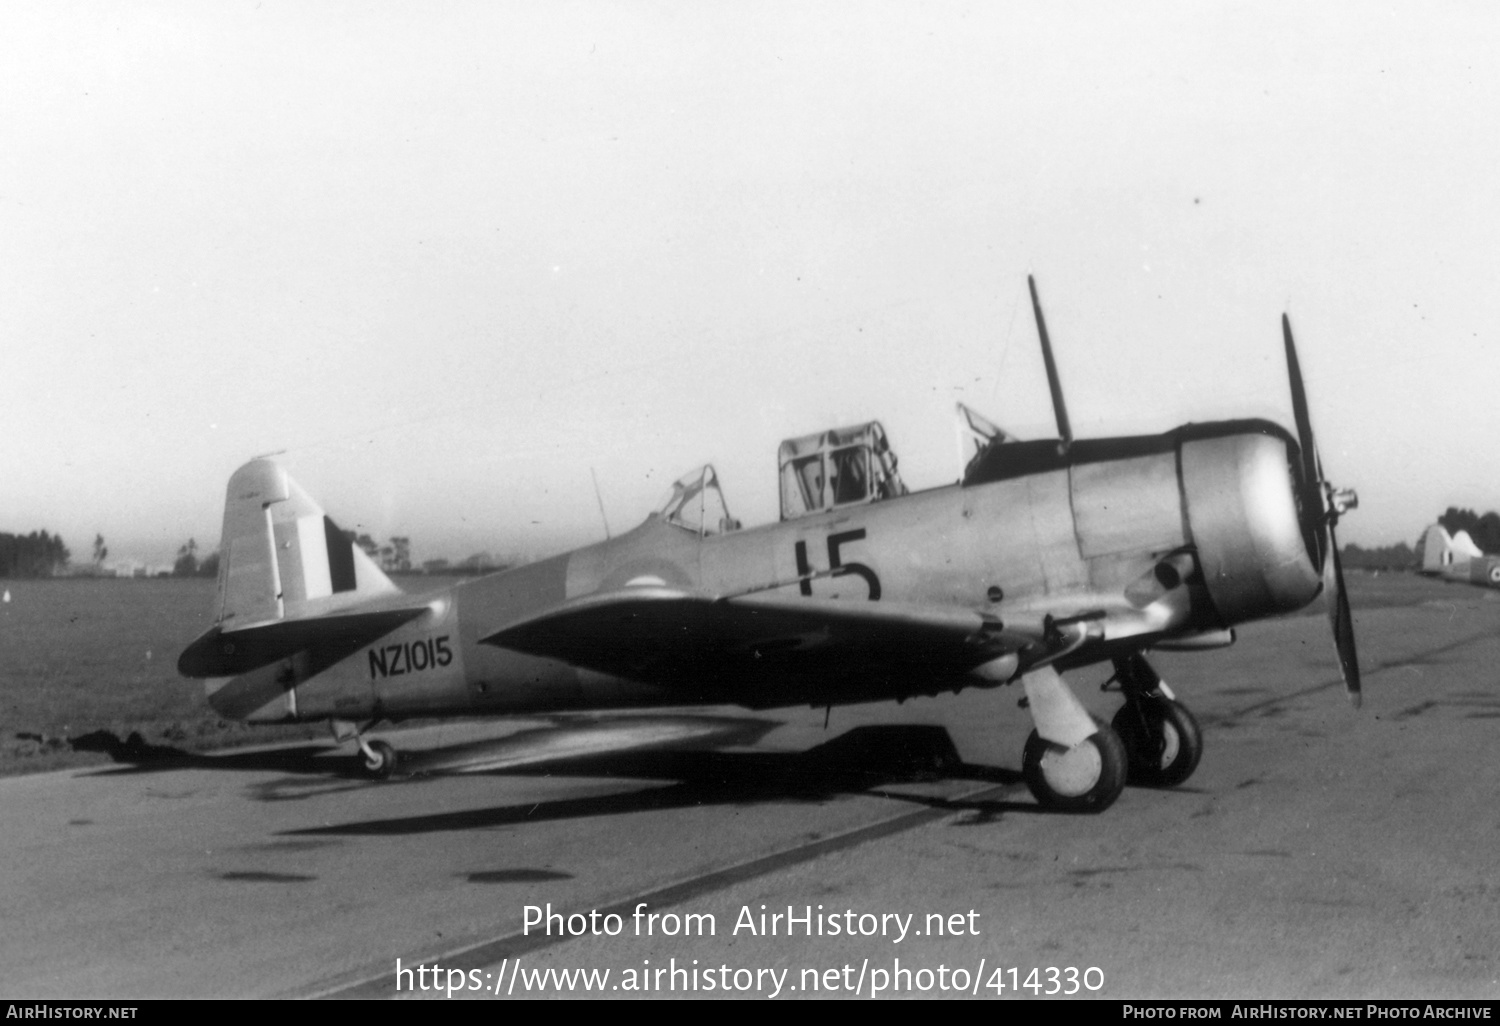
(1240, 497)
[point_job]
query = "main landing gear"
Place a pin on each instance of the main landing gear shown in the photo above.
(1074, 762)
(1087, 777)
(1162, 741)
(381, 759)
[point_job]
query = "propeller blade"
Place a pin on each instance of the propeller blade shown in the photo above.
(1312, 476)
(1342, 619)
(1319, 515)
(1064, 428)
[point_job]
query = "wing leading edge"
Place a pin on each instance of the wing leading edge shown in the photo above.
(670, 635)
(675, 636)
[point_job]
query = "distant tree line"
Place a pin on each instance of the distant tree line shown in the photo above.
(37, 554)
(189, 565)
(394, 557)
(1400, 556)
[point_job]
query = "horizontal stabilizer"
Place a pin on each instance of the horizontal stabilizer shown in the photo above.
(221, 653)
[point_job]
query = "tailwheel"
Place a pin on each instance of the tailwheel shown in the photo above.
(1085, 778)
(1162, 741)
(380, 759)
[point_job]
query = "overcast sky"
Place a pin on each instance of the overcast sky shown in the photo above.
(450, 259)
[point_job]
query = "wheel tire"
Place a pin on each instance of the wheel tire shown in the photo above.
(1085, 778)
(386, 764)
(1162, 741)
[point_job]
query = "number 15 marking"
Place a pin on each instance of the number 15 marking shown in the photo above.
(837, 567)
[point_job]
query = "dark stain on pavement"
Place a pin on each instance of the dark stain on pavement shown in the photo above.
(515, 876)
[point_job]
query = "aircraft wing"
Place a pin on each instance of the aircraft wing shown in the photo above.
(671, 635)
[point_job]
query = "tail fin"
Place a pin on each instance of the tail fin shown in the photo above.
(282, 558)
(1464, 548)
(1441, 551)
(1437, 550)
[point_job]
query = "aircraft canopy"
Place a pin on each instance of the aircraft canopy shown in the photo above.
(696, 504)
(832, 469)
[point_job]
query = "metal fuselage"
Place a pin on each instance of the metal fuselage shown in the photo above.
(1483, 570)
(1160, 536)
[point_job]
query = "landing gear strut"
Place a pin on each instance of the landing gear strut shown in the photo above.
(1072, 762)
(381, 759)
(1162, 740)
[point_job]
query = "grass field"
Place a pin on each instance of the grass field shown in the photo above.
(84, 655)
(81, 655)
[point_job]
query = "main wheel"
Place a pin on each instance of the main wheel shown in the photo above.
(1085, 778)
(1162, 740)
(384, 763)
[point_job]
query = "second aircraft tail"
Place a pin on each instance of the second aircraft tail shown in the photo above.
(1442, 552)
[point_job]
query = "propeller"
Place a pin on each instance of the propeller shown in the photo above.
(1059, 408)
(1321, 505)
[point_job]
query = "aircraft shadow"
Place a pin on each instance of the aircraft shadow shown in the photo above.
(856, 762)
(567, 738)
(136, 755)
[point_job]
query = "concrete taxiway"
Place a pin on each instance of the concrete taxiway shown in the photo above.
(1317, 852)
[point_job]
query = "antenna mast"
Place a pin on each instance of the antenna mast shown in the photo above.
(600, 499)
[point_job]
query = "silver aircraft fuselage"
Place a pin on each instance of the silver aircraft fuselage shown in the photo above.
(1159, 537)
